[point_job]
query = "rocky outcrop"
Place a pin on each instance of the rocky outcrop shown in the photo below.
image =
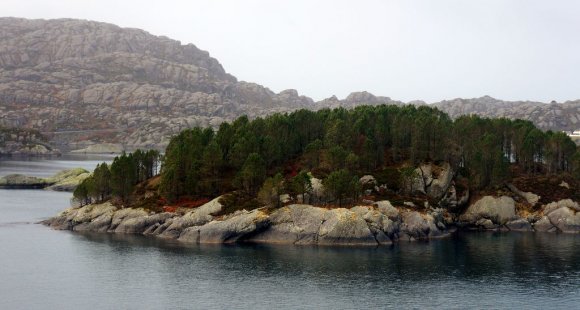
(554, 116)
(490, 212)
(293, 224)
(95, 217)
(530, 197)
(65, 180)
(202, 215)
(344, 227)
(234, 229)
(431, 180)
(418, 226)
(561, 216)
(381, 224)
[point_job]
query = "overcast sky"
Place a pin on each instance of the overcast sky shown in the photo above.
(409, 49)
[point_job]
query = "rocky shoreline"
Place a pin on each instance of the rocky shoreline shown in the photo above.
(378, 224)
(65, 181)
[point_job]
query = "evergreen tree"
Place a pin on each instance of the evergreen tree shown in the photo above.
(339, 183)
(252, 174)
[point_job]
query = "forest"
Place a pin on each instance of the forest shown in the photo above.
(279, 154)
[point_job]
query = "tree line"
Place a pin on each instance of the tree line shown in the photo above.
(275, 155)
(341, 144)
(118, 179)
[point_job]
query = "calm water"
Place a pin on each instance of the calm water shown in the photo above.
(45, 269)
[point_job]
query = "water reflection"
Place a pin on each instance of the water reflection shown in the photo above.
(486, 269)
(467, 255)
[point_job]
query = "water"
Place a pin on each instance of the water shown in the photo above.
(45, 269)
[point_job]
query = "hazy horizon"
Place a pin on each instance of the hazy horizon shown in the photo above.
(406, 50)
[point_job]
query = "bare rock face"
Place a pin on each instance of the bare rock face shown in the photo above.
(554, 116)
(417, 226)
(199, 216)
(344, 227)
(382, 227)
(139, 223)
(499, 210)
(231, 230)
(431, 180)
(133, 87)
(96, 217)
(293, 224)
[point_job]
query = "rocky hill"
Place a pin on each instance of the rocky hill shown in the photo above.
(88, 82)
(554, 116)
(101, 82)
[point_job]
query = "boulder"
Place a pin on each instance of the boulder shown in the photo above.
(384, 229)
(484, 223)
(232, 230)
(431, 180)
(499, 210)
(367, 180)
(544, 225)
(386, 208)
(565, 203)
(442, 177)
(417, 226)
(344, 227)
(565, 219)
(199, 216)
(530, 197)
(297, 224)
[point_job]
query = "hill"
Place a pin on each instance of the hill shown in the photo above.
(105, 83)
(86, 82)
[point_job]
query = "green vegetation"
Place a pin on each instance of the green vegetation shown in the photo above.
(270, 156)
(119, 179)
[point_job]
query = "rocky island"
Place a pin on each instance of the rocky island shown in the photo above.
(369, 176)
(66, 180)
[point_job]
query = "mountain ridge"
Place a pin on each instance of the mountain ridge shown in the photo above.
(79, 77)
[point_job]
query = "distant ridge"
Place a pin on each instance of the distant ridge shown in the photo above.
(96, 82)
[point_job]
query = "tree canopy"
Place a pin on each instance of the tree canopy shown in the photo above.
(338, 145)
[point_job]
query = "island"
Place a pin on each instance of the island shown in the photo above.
(368, 176)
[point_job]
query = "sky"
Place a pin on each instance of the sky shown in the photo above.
(408, 50)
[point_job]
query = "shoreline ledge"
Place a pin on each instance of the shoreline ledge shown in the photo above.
(300, 224)
(63, 181)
